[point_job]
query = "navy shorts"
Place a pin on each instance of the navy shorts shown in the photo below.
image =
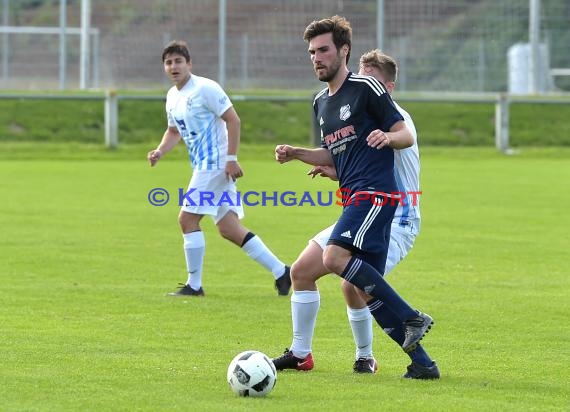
(364, 229)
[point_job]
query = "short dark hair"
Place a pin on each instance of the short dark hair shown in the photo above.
(176, 47)
(384, 63)
(337, 25)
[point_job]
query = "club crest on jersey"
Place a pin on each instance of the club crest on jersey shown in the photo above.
(188, 104)
(345, 112)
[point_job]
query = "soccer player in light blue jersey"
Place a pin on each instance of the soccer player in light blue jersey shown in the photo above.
(360, 127)
(201, 114)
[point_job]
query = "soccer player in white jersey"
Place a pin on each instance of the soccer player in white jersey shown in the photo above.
(405, 228)
(201, 114)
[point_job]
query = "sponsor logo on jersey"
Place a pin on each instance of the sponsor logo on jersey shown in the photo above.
(321, 122)
(182, 127)
(346, 132)
(345, 112)
(368, 289)
(346, 234)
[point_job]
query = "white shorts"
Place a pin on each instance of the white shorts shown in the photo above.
(211, 192)
(402, 240)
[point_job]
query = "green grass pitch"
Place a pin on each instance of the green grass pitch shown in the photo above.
(85, 262)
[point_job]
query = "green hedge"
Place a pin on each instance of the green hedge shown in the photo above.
(143, 121)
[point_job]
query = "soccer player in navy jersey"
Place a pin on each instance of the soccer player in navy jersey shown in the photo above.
(201, 114)
(404, 229)
(360, 127)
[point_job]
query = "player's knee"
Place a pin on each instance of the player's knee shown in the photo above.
(299, 272)
(188, 222)
(225, 232)
(184, 222)
(332, 261)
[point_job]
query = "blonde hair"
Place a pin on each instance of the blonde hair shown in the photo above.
(384, 63)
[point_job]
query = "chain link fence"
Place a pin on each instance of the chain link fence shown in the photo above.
(441, 45)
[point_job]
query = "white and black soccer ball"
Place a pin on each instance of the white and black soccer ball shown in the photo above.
(252, 373)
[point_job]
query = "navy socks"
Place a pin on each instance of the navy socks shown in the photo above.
(368, 279)
(394, 328)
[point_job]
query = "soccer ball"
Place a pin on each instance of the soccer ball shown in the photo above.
(251, 373)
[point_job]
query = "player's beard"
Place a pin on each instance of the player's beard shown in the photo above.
(331, 72)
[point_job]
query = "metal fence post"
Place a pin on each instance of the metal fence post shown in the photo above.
(502, 123)
(534, 40)
(111, 119)
(62, 43)
(222, 36)
(380, 17)
(5, 42)
(84, 47)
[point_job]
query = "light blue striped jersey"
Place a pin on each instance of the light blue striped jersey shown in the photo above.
(407, 174)
(195, 110)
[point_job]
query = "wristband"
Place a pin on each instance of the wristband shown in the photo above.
(231, 158)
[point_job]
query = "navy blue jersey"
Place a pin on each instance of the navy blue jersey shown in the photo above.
(346, 118)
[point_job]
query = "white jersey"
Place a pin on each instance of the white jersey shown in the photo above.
(195, 110)
(407, 174)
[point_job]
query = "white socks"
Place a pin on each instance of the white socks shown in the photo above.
(194, 248)
(361, 325)
(256, 249)
(304, 308)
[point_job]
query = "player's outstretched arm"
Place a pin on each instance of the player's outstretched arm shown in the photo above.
(170, 138)
(319, 156)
